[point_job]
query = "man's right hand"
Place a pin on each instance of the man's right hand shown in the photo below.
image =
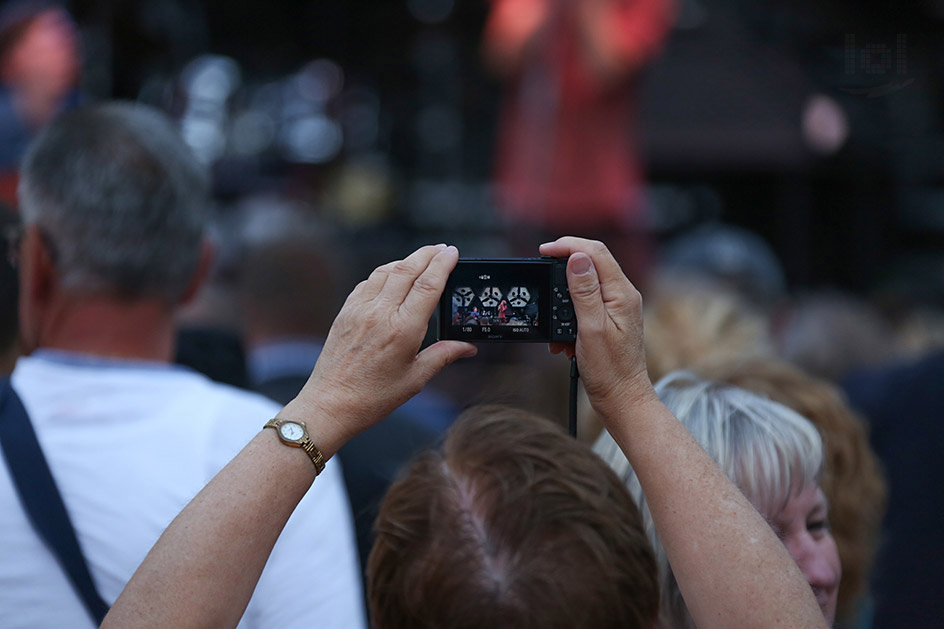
(609, 345)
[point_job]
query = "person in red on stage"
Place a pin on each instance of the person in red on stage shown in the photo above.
(502, 315)
(566, 156)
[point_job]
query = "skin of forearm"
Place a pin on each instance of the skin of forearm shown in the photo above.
(735, 572)
(250, 500)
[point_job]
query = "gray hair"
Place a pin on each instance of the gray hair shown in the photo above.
(768, 451)
(121, 200)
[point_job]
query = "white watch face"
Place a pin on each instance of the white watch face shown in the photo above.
(291, 431)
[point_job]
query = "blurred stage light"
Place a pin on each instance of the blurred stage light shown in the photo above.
(320, 81)
(211, 77)
(253, 133)
(312, 139)
(825, 126)
(204, 137)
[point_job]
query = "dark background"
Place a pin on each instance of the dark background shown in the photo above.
(721, 126)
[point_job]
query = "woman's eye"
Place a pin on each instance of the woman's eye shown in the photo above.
(817, 526)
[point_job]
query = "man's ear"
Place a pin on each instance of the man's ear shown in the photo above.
(39, 282)
(204, 264)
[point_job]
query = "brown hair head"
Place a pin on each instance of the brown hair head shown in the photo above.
(511, 524)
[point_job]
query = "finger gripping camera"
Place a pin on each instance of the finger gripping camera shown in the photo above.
(508, 300)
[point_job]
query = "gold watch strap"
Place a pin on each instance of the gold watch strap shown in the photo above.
(305, 444)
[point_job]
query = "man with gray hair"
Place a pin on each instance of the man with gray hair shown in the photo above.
(113, 205)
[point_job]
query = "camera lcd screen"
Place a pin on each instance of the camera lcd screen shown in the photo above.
(497, 300)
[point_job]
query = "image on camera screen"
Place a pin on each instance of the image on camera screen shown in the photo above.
(500, 302)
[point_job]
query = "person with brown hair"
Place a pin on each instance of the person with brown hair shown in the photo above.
(480, 530)
(204, 568)
(852, 478)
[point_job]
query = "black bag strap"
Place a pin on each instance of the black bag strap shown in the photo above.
(40, 497)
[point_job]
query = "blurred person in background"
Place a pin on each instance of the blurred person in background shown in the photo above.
(567, 160)
(692, 320)
(852, 478)
(40, 61)
(209, 327)
(920, 330)
(904, 405)
(289, 284)
(712, 299)
(291, 281)
(828, 334)
(114, 205)
(771, 454)
(11, 232)
(736, 258)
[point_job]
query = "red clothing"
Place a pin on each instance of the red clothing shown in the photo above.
(567, 159)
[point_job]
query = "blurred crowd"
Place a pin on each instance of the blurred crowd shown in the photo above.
(779, 244)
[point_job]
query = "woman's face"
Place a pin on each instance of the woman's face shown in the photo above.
(803, 526)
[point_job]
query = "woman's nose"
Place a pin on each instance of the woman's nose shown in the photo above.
(814, 559)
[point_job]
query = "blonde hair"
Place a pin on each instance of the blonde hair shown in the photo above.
(767, 450)
(691, 320)
(852, 478)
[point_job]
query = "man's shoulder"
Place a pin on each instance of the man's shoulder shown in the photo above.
(242, 399)
(139, 396)
(65, 373)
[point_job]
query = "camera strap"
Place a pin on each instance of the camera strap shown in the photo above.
(41, 500)
(574, 379)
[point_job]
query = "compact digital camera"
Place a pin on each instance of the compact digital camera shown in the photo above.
(508, 299)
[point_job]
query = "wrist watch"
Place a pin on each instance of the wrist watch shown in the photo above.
(295, 434)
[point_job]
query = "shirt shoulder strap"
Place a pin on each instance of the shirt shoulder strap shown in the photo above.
(40, 497)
